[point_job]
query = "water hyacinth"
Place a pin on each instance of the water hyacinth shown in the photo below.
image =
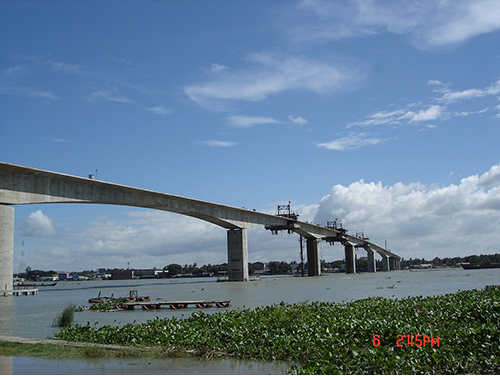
(335, 338)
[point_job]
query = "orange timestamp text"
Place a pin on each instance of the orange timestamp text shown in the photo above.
(417, 340)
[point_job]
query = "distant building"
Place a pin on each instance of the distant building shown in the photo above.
(122, 274)
(62, 276)
(259, 267)
(101, 273)
(146, 273)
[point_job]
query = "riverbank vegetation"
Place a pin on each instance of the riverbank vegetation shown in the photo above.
(368, 336)
(66, 317)
(56, 351)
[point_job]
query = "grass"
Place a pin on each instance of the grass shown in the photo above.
(66, 317)
(332, 338)
(62, 352)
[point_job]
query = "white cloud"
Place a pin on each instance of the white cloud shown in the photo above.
(418, 220)
(37, 224)
(58, 140)
(159, 110)
(298, 120)
(434, 83)
(242, 121)
(14, 70)
(27, 92)
(469, 94)
(430, 24)
(404, 116)
(432, 113)
(148, 235)
(271, 75)
(107, 95)
(214, 143)
(67, 68)
(352, 142)
(217, 68)
(439, 108)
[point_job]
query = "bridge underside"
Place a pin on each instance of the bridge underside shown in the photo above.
(21, 185)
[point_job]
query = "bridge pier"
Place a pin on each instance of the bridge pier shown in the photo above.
(385, 263)
(237, 254)
(350, 258)
(6, 247)
(313, 259)
(372, 264)
(394, 263)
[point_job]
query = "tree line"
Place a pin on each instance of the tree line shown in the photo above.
(283, 267)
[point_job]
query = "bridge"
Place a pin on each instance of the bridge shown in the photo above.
(21, 185)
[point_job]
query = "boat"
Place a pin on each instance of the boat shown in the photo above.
(38, 284)
(47, 284)
(101, 299)
(492, 265)
(132, 297)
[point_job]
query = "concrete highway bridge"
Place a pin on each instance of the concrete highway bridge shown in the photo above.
(21, 185)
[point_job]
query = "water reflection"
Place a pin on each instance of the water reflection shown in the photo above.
(6, 365)
(21, 365)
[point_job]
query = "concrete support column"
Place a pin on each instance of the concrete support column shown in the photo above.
(313, 260)
(6, 247)
(350, 259)
(398, 264)
(237, 254)
(372, 264)
(392, 263)
(385, 263)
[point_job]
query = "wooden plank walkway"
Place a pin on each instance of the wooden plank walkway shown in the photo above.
(176, 305)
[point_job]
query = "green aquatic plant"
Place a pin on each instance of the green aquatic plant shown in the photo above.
(373, 335)
(66, 317)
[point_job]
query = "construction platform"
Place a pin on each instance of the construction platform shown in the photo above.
(175, 305)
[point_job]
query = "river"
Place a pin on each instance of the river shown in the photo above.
(32, 316)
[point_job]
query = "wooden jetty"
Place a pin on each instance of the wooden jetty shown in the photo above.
(175, 305)
(21, 290)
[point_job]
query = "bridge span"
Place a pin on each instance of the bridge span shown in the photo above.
(21, 185)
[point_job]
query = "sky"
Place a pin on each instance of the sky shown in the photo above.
(385, 114)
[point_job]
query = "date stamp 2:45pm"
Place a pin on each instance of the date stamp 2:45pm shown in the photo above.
(417, 340)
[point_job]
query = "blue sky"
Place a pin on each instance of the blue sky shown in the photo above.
(383, 113)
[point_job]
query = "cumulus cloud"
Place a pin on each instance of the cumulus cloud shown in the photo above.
(419, 220)
(272, 74)
(153, 234)
(37, 224)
